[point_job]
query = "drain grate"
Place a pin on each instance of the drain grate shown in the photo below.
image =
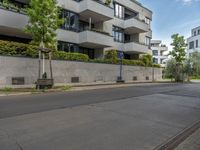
(178, 139)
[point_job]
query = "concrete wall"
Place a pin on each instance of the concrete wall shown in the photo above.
(64, 70)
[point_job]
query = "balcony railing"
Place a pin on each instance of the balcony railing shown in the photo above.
(12, 7)
(98, 1)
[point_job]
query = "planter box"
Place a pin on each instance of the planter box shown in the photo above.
(45, 83)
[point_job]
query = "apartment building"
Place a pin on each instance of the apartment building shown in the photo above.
(90, 26)
(194, 41)
(159, 52)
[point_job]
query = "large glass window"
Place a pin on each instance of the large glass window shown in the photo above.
(148, 41)
(87, 51)
(147, 21)
(119, 11)
(71, 20)
(197, 43)
(118, 34)
(67, 47)
(191, 45)
(155, 60)
(155, 53)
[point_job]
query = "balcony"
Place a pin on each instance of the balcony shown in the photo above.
(94, 39)
(97, 11)
(134, 25)
(135, 47)
(12, 23)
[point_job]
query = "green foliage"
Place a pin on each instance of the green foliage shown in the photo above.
(28, 50)
(70, 56)
(179, 46)
(147, 59)
(195, 63)
(133, 62)
(17, 49)
(170, 69)
(66, 88)
(43, 21)
(124, 61)
(107, 2)
(7, 89)
(111, 55)
(7, 4)
(157, 65)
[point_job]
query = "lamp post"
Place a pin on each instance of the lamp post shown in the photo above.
(120, 78)
(153, 71)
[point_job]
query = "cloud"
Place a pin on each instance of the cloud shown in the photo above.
(185, 2)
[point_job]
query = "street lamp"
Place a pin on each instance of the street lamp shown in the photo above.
(120, 78)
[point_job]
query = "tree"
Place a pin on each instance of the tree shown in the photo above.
(170, 68)
(178, 53)
(43, 22)
(195, 61)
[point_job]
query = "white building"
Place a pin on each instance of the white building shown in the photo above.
(90, 26)
(194, 41)
(159, 52)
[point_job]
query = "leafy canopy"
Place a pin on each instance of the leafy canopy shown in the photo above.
(179, 46)
(43, 21)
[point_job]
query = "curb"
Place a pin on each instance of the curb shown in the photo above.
(179, 138)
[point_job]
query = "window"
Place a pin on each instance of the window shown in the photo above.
(191, 45)
(71, 20)
(118, 34)
(148, 41)
(155, 53)
(147, 21)
(197, 44)
(195, 33)
(87, 51)
(119, 11)
(67, 47)
(155, 60)
(199, 32)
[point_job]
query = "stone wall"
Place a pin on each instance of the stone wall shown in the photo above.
(63, 71)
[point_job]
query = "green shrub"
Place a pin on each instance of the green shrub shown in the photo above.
(70, 56)
(146, 59)
(107, 2)
(17, 49)
(133, 62)
(118, 61)
(7, 89)
(156, 65)
(28, 50)
(111, 55)
(20, 49)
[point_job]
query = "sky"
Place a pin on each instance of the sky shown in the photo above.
(173, 16)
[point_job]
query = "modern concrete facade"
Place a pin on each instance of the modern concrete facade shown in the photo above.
(90, 26)
(159, 52)
(194, 41)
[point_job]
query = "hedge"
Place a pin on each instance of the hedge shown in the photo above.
(70, 56)
(17, 49)
(20, 49)
(118, 61)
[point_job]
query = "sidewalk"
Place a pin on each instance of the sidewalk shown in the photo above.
(79, 87)
(191, 143)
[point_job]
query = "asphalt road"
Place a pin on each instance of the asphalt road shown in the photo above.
(128, 118)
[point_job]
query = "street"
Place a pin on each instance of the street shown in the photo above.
(126, 118)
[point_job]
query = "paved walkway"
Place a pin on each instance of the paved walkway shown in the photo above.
(191, 143)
